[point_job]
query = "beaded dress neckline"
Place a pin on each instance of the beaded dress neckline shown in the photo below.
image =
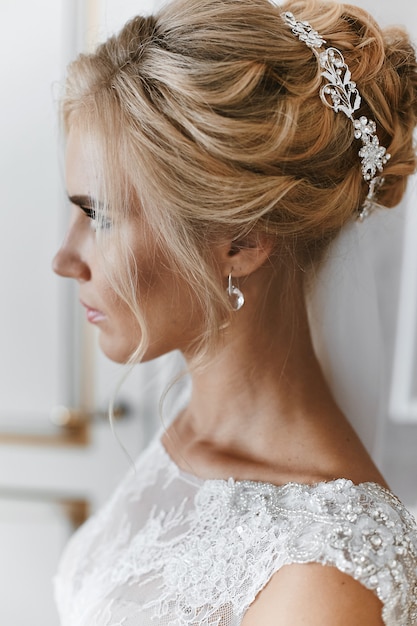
(173, 549)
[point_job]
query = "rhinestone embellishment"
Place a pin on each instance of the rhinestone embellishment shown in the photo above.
(236, 297)
(340, 93)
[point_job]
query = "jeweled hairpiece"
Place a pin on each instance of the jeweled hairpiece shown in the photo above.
(340, 93)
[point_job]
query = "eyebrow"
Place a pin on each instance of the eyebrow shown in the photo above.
(82, 201)
(86, 201)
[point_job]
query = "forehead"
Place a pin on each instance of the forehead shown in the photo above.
(79, 171)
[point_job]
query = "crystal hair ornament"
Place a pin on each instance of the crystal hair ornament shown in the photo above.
(340, 93)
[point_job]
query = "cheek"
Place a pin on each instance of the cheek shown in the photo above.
(162, 297)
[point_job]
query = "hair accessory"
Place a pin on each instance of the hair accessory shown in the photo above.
(340, 93)
(236, 297)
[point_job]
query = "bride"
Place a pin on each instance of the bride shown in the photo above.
(215, 151)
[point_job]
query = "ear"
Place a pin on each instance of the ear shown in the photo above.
(242, 257)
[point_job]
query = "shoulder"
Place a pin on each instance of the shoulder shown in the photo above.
(362, 534)
(316, 595)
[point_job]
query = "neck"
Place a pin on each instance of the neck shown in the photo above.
(261, 409)
(264, 376)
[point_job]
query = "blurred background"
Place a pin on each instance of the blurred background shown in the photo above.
(58, 458)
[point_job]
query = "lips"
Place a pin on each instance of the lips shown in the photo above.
(94, 316)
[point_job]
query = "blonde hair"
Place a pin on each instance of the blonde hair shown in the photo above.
(207, 118)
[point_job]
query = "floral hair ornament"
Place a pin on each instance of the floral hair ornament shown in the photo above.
(340, 93)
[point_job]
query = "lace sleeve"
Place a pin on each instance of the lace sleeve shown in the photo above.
(363, 531)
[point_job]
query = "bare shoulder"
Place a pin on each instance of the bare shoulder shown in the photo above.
(315, 595)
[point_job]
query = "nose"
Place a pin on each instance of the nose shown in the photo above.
(69, 262)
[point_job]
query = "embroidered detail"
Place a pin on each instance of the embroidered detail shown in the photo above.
(170, 550)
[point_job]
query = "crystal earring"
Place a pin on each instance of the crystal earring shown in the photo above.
(236, 297)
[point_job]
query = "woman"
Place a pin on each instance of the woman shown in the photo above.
(207, 178)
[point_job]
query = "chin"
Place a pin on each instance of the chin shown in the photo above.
(115, 350)
(121, 352)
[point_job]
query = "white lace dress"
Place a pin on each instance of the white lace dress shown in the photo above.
(170, 549)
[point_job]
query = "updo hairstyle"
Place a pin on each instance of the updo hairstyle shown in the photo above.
(207, 118)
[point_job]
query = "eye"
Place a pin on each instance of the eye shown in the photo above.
(98, 220)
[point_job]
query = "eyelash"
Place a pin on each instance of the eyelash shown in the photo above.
(91, 214)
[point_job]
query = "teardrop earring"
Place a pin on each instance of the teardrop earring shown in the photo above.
(236, 297)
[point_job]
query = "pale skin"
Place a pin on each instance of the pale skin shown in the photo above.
(260, 409)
